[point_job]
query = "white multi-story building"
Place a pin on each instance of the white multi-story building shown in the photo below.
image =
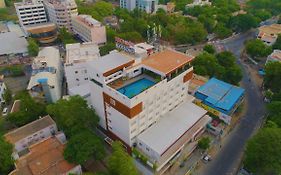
(89, 29)
(46, 80)
(61, 11)
(30, 12)
(76, 68)
(149, 6)
(134, 94)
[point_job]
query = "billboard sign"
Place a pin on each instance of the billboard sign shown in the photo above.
(124, 45)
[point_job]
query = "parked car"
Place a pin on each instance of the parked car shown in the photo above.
(206, 158)
(5, 111)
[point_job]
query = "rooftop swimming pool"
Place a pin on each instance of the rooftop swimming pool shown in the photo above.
(136, 87)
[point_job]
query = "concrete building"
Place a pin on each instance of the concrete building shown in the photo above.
(12, 44)
(60, 12)
(134, 92)
(220, 98)
(44, 33)
(274, 56)
(2, 89)
(181, 127)
(89, 29)
(30, 12)
(198, 3)
(269, 34)
(31, 133)
(149, 6)
(46, 157)
(76, 67)
(46, 79)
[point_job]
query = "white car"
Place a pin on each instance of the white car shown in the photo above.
(206, 158)
(5, 111)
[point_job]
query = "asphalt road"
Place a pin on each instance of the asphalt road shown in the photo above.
(227, 161)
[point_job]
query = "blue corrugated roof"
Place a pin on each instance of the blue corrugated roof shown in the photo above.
(221, 94)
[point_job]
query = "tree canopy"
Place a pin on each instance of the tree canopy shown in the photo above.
(277, 44)
(221, 66)
(6, 160)
(256, 48)
(263, 151)
(73, 115)
(83, 146)
(78, 121)
(120, 162)
(274, 112)
(30, 110)
(209, 48)
(272, 78)
(32, 47)
(243, 22)
(65, 37)
(204, 143)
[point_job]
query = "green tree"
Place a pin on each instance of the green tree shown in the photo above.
(272, 78)
(204, 143)
(256, 48)
(121, 163)
(244, 22)
(263, 151)
(73, 115)
(209, 48)
(65, 37)
(277, 44)
(274, 112)
(226, 59)
(7, 96)
(205, 64)
(106, 48)
(83, 146)
(29, 110)
(233, 75)
(222, 31)
(32, 47)
(6, 160)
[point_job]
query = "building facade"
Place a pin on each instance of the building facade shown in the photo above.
(31, 133)
(60, 12)
(46, 79)
(134, 92)
(149, 6)
(30, 12)
(43, 33)
(89, 29)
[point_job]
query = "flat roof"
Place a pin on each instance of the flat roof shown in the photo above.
(81, 52)
(166, 61)
(29, 129)
(271, 29)
(110, 62)
(276, 54)
(221, 94)
(46, 157)
(174, 124)
(12, 43)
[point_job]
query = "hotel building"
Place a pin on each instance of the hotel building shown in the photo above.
(142, 100)
(30, 12)
(89, 29)
(61, 11)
